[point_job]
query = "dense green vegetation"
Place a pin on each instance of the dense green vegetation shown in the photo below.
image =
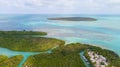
(27, 43)
(11, 62)
(71, 48)
(61, 56)
(54, 60)
(111, 56)
(34, 44)
(64, 56)
(2, 58)
(22, 33)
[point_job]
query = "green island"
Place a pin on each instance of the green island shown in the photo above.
(62, 55)
(24, 32)
(10, 62)
(73, 19)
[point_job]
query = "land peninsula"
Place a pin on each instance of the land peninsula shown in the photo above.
(62, 55)
(20, 42)
(22, 33)
(10, 62)
(73, 19)
(68, 56)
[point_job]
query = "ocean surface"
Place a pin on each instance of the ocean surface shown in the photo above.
(105, 32)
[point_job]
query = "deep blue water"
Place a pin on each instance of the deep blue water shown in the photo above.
(104, 32)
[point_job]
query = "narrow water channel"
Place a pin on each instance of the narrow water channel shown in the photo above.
(10, 53)
(86, 63)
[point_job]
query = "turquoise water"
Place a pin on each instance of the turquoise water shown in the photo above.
(105, 32)
(86, 63)
(10, 53)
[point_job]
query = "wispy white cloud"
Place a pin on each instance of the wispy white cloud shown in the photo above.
(60, 6)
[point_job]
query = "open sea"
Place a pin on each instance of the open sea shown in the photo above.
(105, 32)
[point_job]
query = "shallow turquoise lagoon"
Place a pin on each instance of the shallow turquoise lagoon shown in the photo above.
(104, 32)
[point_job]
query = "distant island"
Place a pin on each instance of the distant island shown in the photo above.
(73, 19)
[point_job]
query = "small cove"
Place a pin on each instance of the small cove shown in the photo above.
(10, 53)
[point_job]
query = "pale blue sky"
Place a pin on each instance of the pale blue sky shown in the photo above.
(60, 6)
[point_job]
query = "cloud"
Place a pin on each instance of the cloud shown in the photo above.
(59, 6)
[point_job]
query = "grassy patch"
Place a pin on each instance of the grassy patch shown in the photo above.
(54, 60)
(64, 56)
(11, 62)
(2, 58)
(31, 44)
